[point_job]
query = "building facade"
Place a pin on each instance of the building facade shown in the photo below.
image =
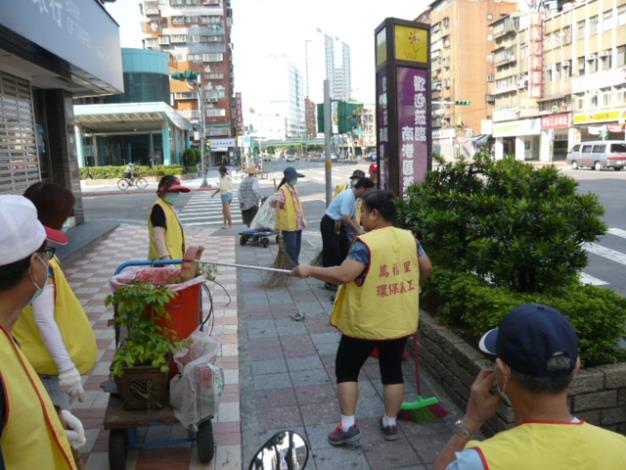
(461, 62)
(196, 35)
(568, 83)
(138, 126)
(48, 56)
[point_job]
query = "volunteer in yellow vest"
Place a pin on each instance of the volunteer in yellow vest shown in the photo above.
(31, 433)
(167, 240)
(377, 305)
(289, 214)
(54, 332)
(536, 352)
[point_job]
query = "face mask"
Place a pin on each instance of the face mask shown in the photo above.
(293, 181)
(39, 290)
(171, 197)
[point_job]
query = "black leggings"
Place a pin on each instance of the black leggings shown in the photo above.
(353, 353)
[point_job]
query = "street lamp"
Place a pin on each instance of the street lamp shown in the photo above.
(194, 81)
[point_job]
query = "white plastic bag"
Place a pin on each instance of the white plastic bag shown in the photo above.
(197, 388)
(265, 216)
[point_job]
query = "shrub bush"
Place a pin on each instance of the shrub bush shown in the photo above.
(519, 226)
(114, 172)
(191, 157)
(599, 315)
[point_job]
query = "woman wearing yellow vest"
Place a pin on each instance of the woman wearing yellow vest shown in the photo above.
(31, 433)
(377, 306)
(167, 240)
(289, 215)
(54, 331)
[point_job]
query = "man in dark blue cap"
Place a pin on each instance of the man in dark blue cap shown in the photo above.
(536, 350)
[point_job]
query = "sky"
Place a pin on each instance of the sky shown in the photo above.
(264, 27)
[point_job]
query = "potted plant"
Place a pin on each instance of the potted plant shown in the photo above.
(142, 360)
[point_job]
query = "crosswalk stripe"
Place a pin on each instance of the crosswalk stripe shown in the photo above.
(590, 280)
(604, 252)
(618, 232)
(202, 209)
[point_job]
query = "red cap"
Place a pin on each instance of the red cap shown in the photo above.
(174, 186)
(373, 168)
(56, 236)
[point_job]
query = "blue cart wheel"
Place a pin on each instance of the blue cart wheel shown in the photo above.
(204, 439)
(117, 449)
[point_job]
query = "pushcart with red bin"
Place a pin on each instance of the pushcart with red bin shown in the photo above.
(186, 313)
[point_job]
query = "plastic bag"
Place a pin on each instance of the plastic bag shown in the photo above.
(265, 216)
(196, 390)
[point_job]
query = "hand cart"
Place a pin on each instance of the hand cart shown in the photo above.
(257, 236)
(123, 424)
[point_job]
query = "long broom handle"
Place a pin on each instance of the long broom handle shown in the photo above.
(169, 262)
(242, 266)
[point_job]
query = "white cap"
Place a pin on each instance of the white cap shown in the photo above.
(21, 233)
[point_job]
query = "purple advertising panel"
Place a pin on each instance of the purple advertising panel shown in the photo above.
(383, 130)
(413, 125)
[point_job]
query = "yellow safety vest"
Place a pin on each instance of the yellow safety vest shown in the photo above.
(78, 337)
(33, 436)
(174, 236)
(386, 304)
(554, 446)
(286, 218)
(340, 188)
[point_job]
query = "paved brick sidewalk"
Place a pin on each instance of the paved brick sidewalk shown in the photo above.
(90, 279)
(287, 377)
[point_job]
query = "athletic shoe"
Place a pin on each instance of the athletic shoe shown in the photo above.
(390, 433)
(339, 437)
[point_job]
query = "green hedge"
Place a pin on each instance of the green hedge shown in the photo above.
(112, 172)
(599, 315)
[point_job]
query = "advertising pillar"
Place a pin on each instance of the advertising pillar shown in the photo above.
(403, 104)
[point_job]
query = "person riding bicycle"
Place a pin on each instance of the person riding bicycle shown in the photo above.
(128, 171)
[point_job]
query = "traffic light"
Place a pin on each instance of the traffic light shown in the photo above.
(462, 103)
(186, 75)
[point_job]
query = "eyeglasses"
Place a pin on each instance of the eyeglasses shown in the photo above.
(50, 251)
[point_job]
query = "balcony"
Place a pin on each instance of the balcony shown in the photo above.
(191, 114)
(508, 26)
(491, 99)
(506, 57)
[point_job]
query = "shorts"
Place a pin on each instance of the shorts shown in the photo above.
(227, 197)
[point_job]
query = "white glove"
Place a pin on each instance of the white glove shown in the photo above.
(70, 383)
(76, 432)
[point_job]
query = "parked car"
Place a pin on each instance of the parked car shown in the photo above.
(291, 158)
(598, 154)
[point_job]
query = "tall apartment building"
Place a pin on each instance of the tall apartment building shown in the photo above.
(196, 34)
(329, 58)
(560, 79)
(460, 66)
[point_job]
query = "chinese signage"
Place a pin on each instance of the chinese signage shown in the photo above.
(535, 75)
(391, 273)
(403, 108)
(221, 145)
(515, 128)
(599, 117)
(411, 44)
(239, 114)
(412, 125)
(557, 121)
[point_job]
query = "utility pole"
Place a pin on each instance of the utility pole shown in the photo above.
(200, 89)
(327, 133)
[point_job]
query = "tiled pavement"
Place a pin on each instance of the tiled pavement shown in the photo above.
(287, 377)
(89, 277)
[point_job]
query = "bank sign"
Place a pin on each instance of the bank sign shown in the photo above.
(80, 32)
(403, 107)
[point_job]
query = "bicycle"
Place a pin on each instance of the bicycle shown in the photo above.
(138, 182)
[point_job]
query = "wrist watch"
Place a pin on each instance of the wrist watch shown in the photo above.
(461, 430)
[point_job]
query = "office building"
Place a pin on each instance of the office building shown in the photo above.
(461, 66)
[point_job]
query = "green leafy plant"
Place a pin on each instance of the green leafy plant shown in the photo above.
(468, 301)
(191, 157)
(140, 305)
(519, 226)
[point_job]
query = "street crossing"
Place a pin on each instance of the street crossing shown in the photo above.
(607, 261)
(204, 210)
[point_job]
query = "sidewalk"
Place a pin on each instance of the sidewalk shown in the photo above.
(287, 378)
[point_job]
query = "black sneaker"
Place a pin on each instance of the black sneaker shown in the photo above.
(339, 437)
(390, 433)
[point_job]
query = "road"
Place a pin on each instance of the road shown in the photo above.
(607, 257)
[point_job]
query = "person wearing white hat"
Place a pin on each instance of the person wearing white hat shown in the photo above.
(31, 433)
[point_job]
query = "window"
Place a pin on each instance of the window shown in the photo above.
(621, 56)
(436, 27)
(593, 25)
(618, 148)
(550, 75)
(593, 64)
(547, 41)
(581, 66)
(581, 29)
(607, 20)
(566, 35)
(580, 102)
(523, 51)
(586, 149)
(575, 148)
(606, 59)
(599, 148)
(605, 98)
(567, 68)
(620, 96)
(178, 38)
(593, 101)
(212, 57)
(178, 20)
(621, 15)
(215, 112)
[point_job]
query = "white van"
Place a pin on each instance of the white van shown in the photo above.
(598, 154)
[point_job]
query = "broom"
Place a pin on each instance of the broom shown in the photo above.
(282, 262)
(422, 409)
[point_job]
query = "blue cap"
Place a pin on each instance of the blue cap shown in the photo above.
(529, 336)
(290, 173)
